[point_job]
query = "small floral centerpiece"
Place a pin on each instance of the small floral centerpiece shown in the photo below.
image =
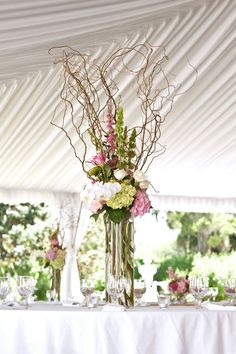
(54, 258)
(178, 285)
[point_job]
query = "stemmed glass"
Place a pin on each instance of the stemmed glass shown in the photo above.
(25, 287)
(198, 288)
(115, 287)
(87, 289)
(5, 289)
(139, 291)
(212, 293)
(230, 289)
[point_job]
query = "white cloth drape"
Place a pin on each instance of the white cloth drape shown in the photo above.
(73, 224)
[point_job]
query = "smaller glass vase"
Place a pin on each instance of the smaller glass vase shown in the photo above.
(55, 285)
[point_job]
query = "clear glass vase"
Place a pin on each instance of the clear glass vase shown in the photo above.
(55, 285)
(119, 257)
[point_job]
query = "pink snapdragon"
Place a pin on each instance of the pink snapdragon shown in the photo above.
(99, 159)
(141, 204)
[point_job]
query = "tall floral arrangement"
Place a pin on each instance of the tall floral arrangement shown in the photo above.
(93, 120)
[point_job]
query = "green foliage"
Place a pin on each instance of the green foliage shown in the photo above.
(204, 232)
(116, 215)
(24, 228)
(182, 265)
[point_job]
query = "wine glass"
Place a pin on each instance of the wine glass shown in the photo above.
(212, 293)
(5, 289)
(87, 289)
(115, 287)
(230, 289)
(139, 291)
(198, 288)
(25, 287)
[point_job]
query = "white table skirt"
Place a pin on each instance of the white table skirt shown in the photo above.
(53, 329)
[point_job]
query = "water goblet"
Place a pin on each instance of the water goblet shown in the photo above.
(212, 293)
(139, 291)
(115, 288)
(87, 289)
(25, 287)
(198, 288)
(230, 289)
(5, 289)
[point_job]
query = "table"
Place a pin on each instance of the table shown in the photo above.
(56, 329)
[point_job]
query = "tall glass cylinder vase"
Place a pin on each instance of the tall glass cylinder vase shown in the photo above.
(119, 256)
(55, 285)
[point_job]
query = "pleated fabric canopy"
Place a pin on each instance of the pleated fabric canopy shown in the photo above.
(198, 169)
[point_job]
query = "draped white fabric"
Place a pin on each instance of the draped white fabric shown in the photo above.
(59, 330)
(73, 223)
(200, 132)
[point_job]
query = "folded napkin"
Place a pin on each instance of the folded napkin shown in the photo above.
(113, 308)
(210, 306)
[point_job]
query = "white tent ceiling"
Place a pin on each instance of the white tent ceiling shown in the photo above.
(199, 134)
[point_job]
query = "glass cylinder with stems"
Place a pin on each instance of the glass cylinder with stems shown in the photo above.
(55, 284)
(119, 260)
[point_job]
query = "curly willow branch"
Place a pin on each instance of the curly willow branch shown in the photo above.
(89, 85)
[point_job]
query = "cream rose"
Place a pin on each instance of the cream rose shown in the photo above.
(120, 174)
(139, 176)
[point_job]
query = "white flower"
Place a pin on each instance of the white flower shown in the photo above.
(144, 184)
(97, 194)
(139, 176)
(120, 174)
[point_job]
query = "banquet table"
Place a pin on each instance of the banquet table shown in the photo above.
(56, 329)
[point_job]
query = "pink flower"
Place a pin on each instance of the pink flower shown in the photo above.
(113, 162)
(99, 159)
(96, 205)
(111, 140)
(54, 242)
(51, 255)
(141, 204)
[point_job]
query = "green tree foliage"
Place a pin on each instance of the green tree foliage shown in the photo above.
(24, 228)
(204, 232)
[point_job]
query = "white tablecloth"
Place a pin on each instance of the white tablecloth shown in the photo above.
(54, 329)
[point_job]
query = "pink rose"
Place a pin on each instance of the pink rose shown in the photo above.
(99, 159)
(141, 204)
